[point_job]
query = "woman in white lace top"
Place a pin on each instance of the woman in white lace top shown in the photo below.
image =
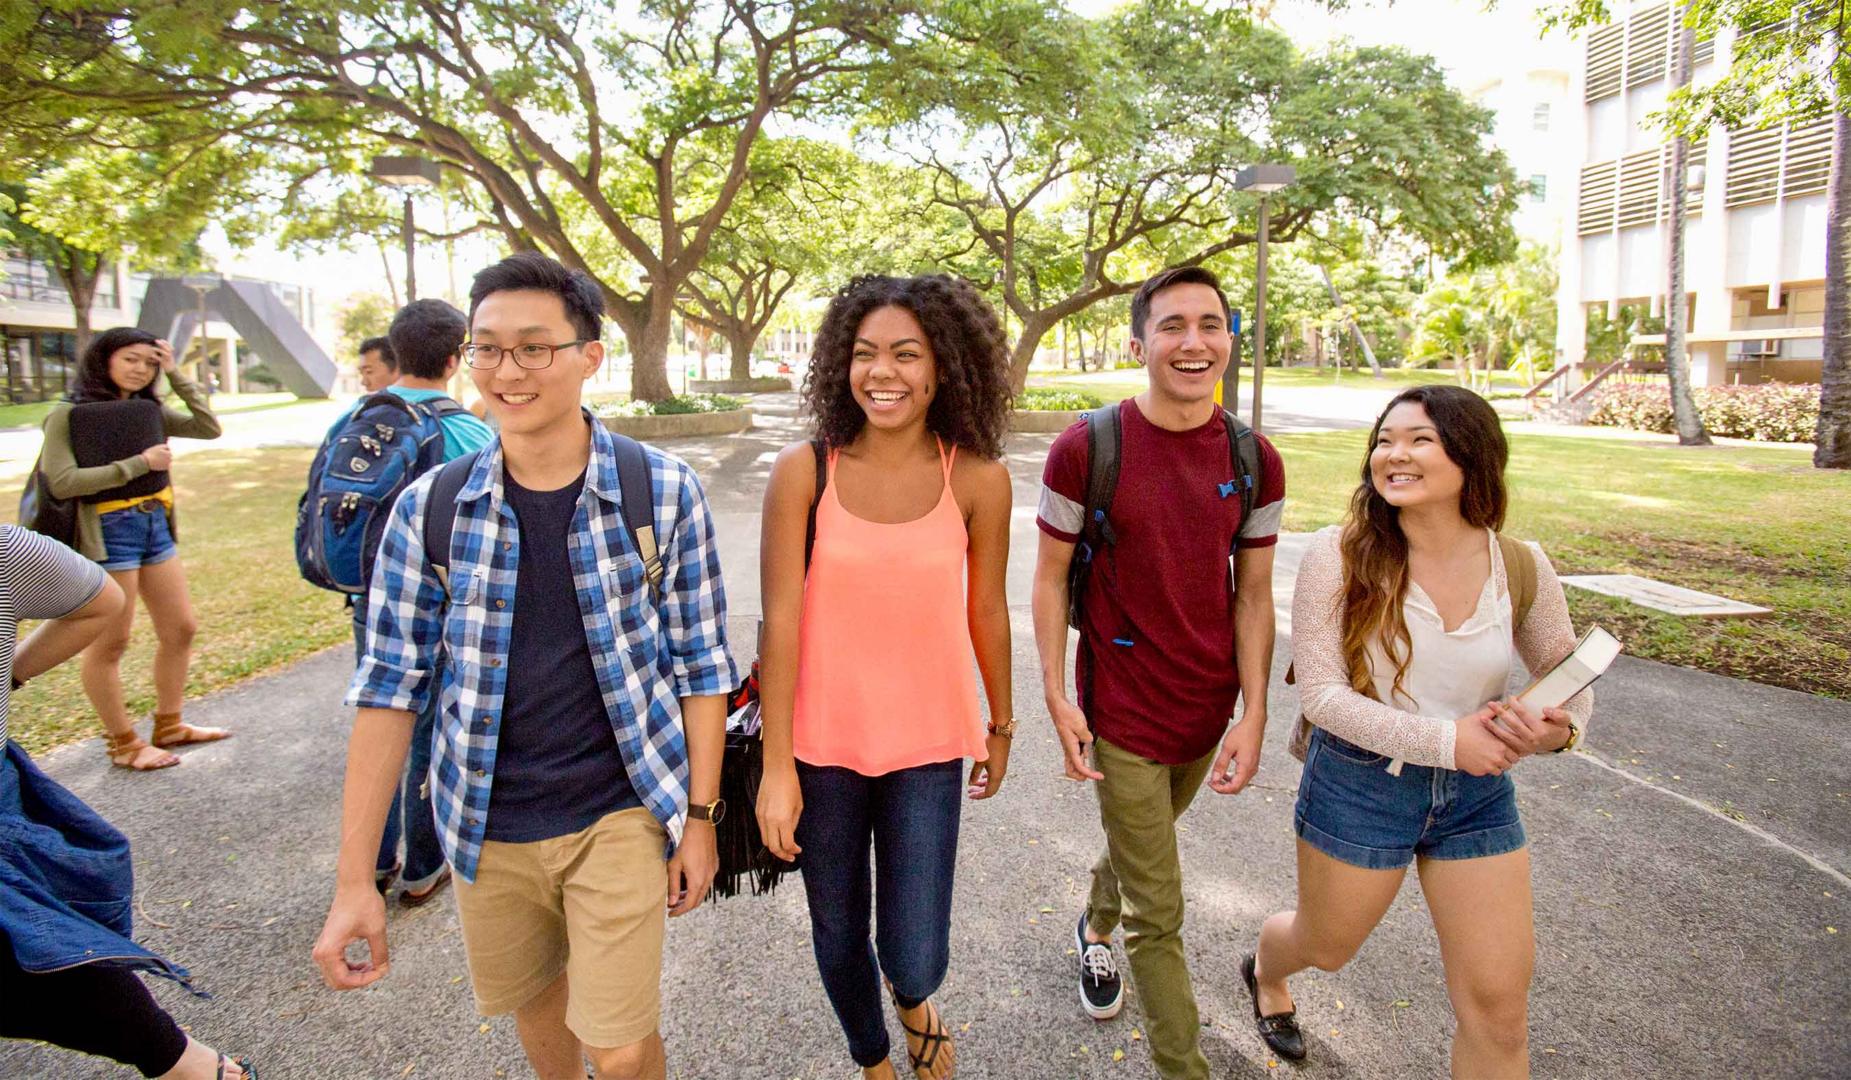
(1407, 623)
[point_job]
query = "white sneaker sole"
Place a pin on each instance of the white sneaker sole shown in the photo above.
(1096, 1012)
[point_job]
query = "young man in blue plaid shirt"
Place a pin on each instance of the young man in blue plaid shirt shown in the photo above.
(575, 774)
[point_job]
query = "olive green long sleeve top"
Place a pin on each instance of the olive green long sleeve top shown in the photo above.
(66, 480)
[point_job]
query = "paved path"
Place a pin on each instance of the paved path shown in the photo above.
(1687, 870)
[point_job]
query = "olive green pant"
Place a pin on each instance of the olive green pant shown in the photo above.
(1138, 883)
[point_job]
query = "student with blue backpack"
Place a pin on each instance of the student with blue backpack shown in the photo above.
(370, 456)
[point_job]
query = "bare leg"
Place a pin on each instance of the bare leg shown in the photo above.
(1482, 911)
(552, 1049)
(644, 1059)
(170, 609)
(201, 1062)
(101, 670)
(1339, 906)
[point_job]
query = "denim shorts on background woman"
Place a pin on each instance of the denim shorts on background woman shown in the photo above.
(1351, 809)
(137, 537)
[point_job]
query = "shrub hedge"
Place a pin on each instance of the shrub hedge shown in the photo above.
(1770, 412)
(1046, 399)
(679, 405)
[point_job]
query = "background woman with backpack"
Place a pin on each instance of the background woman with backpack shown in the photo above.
(129, 529)
(868, 697)
(1405, 621)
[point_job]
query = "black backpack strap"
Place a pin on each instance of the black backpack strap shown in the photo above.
(440, 514)
(1244, 453)
(639, 505)
(822, 481)
(1104, 443)
(441, 407)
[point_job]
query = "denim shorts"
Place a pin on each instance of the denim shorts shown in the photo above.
(1351, 809)
(137, 537)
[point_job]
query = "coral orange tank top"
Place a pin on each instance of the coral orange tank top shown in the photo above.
(885, 671)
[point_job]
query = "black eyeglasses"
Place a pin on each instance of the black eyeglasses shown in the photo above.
(531, 355)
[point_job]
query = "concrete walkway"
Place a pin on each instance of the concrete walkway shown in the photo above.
(1689, 870)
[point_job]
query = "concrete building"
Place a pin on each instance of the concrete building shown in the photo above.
(1755, 239)
(1535, 128)
(40, 345)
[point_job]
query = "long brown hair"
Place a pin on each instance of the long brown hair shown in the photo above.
(1375, 551)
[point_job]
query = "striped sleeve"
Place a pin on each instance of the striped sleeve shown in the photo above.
(47, 580)
(1063, 486)
(1261, 529)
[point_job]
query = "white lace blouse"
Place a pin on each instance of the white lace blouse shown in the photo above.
(1452, 673)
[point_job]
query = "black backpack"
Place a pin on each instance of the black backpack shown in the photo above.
(1104, 437)
(632, 481)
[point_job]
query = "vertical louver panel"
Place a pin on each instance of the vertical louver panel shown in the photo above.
(1594, 213)
(1641, 180)
(1605, 48)
(1754, 166)
(1646, 46)
(1809, 159)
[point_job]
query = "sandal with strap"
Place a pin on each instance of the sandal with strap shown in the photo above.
(170, 730)
(122, 750)
(243, 1064)
(935, 1038)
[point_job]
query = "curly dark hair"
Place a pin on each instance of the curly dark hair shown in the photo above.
(93, 382)
(971, 408)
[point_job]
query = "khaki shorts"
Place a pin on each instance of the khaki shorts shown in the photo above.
(591, 904)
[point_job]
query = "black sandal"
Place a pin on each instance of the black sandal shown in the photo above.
(1279, 1030)
(935, 1040)
(250, 1070)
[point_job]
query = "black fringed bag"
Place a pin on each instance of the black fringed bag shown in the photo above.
(744, 858)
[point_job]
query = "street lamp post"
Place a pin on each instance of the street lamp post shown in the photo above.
(1262, 180)
(408, 173)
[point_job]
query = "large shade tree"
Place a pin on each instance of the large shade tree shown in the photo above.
(615, 136)
(1084, 155)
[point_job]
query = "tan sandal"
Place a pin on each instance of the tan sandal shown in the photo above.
(170, 730)
(122, 750)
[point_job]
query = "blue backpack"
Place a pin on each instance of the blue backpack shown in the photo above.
(384, 444)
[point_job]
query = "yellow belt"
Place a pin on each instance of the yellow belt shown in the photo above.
(165, 497)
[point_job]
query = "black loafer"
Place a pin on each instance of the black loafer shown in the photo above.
(1280, 1030)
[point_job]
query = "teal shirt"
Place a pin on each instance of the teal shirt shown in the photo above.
(462, 434)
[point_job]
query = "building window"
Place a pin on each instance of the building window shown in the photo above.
(1539, 116)
(1539, 188)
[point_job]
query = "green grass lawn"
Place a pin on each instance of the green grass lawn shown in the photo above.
(1757, 524)
(237, 512)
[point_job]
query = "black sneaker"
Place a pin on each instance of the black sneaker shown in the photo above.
(1102, 991)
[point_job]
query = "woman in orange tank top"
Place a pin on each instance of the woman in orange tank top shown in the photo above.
(869, 698)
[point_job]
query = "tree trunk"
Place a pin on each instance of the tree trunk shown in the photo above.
(1833, 439)
(80, 284)
(649, 359)
(1034, 328)
(741, 342)
(1684, 413)
(648, 330)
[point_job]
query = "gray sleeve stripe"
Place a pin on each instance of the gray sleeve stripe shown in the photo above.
(1060, 512)
(1265, 520)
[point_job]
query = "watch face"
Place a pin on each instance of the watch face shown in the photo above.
(717, 811)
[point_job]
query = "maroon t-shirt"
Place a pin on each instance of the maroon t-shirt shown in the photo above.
(1167, 586)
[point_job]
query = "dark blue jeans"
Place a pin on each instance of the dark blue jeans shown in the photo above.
(410, 815)
(911, 818)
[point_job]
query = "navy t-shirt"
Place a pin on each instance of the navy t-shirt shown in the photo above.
(557, 766)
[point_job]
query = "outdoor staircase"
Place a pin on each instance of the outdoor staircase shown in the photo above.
(261, 318)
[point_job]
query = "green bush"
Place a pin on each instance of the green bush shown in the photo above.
(1769, 412)
(1043, 399)
(680, 405)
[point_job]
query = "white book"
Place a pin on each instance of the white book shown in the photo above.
(1592, 656)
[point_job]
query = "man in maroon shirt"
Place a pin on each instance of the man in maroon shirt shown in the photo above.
(1170, 635)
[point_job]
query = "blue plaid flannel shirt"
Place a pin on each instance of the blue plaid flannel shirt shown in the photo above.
(648, 651)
